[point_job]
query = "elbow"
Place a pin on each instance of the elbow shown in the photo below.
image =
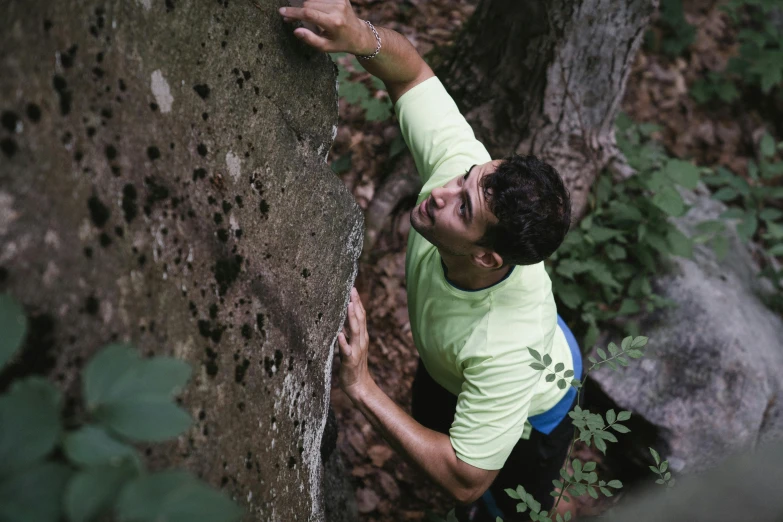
(467, 495)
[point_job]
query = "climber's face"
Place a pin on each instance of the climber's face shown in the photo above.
(455, 216)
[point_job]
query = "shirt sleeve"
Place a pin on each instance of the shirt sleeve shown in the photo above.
(492, 408)
(441, 140)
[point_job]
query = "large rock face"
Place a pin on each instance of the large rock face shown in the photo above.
(712, 380)
(162, 182)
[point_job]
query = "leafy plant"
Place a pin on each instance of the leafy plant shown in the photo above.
(759, 62)
(603, 271)
(83, 474)
(355, 91)
(674, 34)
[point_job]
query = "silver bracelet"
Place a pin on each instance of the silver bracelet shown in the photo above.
(377, 39)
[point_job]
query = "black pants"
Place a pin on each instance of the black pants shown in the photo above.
(533, 463)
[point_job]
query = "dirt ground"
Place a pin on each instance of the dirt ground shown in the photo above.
(387, 488)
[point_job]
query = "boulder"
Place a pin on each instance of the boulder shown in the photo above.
(163, 183)
(710, 384)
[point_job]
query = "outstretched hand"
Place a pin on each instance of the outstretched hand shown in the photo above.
(341, 30)
(354, 374)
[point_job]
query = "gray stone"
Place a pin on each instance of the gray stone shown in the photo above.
(163, 182)
(711, 381)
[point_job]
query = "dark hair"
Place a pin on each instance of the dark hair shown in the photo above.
(533, 209)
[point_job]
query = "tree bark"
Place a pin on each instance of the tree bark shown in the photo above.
(547, 78)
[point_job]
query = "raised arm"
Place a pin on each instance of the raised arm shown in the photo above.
(398, 64)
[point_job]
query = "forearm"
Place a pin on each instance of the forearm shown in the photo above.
(398, 64)
(429, 450)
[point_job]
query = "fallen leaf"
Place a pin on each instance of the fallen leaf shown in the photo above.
(366, 500)
(379, 454)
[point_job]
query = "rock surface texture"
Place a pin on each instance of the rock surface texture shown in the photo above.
(712, 378)
(162, 182)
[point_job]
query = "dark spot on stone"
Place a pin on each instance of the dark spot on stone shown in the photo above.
(278, 358)
(153, 106)
(111, 152)
(291, 462)
(246, 74)
(38, 355)
(3, 275)
(241, 406)
(33, 112)
(264, 207)
(104, 240)
(98, 72)
(226, 206)
(238, 233)
(66, 96)
(202, 90)
(122, 85)
(153, 152)
(222, 234)
(205, 116)
(213, 310)
(260, 46)
(99, 57)
(119, 231)
(226, 272)
(169, 6)
(88, 252)
(238, 200)
(202, 149)
(99, 213)
(247, 331)
(106, 113)
(9, 120)
(211, 200)
(202, 415)
(204, 328)
(199, 174)
(115, 170)
(211, 365)
(269, 367)
(240, 82)
(218, 218)
(223, 44)
(223, 482)
(47, 25)
(91, 132)
(129, 208)
(290, 364)
(67, 58)
(240, 370)
(157, 192)
(9, 147)
(260, 323)
(92, 305)
(142, 259)
(305, 273)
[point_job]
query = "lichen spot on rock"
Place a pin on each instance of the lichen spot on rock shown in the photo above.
(234, 165)
(147, 4)
(161, 91)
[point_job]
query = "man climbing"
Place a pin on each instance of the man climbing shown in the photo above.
(478, 293)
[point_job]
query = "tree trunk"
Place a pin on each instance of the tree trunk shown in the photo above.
(162, 184)
(547, 78)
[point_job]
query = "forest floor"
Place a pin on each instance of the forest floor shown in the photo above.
(387, 488)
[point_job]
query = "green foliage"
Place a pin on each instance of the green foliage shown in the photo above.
(756, 203)
(357, 93)
(662, 470)
(759, 62)
(604, 269)
(675, 35)
(86, 473)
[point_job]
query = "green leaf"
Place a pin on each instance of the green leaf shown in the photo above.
(34, 495)
(559, 367)
(610, 417)
(375, 109)
(720, 245)
(92, 446)
(683, 173)
(342, 164)
(623, 416)
(13, 327)
(537, 366)
(551, 377)
(605, 491)
(117, 373)
(144, 419)
(747, 227)
(725, 194)
(770, 214)
(613, 349)
(732, 213)
(616, 484)
(599, 443)
(592, 492)
(174, 496)
(29, 423)
(561, 383)
(92, 492)
(680, 244)
(669, 200)
(534, 354)
(619, 428)
(568, 373)
(767, 146)
(639, 341)
(655, 456)
(511, 493)
(547, 359)
(601, 353)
